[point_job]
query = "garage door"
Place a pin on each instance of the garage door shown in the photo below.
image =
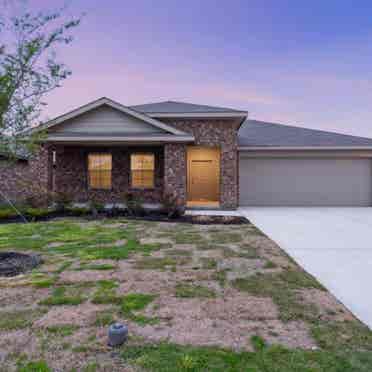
(305, 182)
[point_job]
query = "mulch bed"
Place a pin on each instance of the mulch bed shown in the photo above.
(149, 216)
(13, 263)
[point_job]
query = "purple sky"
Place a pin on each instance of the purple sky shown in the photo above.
(295, 62)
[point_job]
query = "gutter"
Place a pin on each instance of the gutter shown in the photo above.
(302, 148)
(117, 139)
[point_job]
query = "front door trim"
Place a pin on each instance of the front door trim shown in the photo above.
(207, 160)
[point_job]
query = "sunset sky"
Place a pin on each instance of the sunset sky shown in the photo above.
(305, 63)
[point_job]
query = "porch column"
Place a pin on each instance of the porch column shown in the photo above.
(175, 169)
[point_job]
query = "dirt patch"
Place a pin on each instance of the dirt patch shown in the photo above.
(25, 296)
(76, 315)
(241, 267)
(225, 322)
(86, 276)
(328, 306)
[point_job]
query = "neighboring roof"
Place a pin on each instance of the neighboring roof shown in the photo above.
(174, 108)
(106, 101)
(259, 134)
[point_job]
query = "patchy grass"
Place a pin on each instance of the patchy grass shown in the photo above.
(281, 288)
(93, 266)
(270, 265)
(221, 277)
(40, 280)
(185, 290)
(78, 241)
(59, 297)
(106, 293)
(18, 319)
(354, 336)
(175, 358)
(226, 238)
(105, 318)
(62, 330)
(156, 263)
(34, 366)
(188, 238)
(247, 251)
(208, 263)
(178, 252)
(77, 246)
(134, 302)
(64, 266)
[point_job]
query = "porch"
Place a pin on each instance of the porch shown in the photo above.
(106, 173)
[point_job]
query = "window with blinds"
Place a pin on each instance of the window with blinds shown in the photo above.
(99, 170)
(142, 167)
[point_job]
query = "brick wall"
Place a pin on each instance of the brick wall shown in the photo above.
(14, 178)
(210, 132)
(71, 174)
(175, 171)
(20, 179)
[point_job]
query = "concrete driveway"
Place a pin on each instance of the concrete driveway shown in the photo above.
(332, 244)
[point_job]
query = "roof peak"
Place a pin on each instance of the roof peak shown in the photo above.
(178, 107)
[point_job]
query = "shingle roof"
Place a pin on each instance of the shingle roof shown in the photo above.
(254, 133)
(178, 107)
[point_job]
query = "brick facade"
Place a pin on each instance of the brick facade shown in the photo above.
(175, 171)
(69, 174)
(216, 133)
(20, 179)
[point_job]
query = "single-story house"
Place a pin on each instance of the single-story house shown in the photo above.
(205, 156)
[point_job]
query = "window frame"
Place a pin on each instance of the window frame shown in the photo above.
(97, 153)
(130, 171)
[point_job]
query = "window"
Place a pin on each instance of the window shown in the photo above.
(142, 168)
(99, 170)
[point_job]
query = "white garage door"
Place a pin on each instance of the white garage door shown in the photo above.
(305, 181)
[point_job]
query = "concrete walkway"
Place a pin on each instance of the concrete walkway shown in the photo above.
(332, 244)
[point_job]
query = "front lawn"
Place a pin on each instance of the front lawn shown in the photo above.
(195, 298)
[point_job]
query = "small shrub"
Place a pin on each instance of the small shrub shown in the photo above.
(96, 207)
(172, 206)
(62, 201)
(134, 204)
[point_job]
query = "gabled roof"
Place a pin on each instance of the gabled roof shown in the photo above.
(174, 109)
(106, 101)
(254, 134)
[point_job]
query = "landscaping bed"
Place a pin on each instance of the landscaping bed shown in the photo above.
(9, 215)
(195, 298)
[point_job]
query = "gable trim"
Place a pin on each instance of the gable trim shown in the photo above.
(106, 101)
(242, 114)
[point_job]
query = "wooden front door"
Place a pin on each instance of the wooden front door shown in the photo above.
(203, 174)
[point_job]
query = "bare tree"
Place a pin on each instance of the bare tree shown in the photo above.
(29, 69)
